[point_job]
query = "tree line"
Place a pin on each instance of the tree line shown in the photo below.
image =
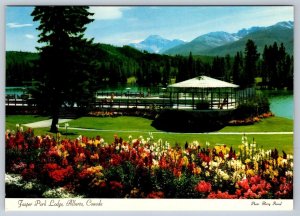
(114, 65)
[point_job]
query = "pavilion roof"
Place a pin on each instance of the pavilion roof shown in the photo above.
(203, 82)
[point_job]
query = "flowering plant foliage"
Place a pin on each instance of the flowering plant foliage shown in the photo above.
(144, 168)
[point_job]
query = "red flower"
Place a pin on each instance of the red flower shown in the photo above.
(31, 166)
(250, 195)
(244, 184)
(115, 160)
(115, 185)
(156, 195)
(203, 187)
(221, 195)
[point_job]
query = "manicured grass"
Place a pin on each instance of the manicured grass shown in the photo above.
(12, 120)
(273, 124)
(136, 127)
(281, 142)
(114, 123)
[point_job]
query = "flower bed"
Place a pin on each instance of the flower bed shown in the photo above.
(250, 120)
(142, 168)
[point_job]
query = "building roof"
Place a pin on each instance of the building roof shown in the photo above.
(203, 82)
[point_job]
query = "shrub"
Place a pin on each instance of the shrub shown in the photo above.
(203, 105)
(252, 107)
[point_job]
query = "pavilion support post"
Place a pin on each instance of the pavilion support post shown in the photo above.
(235, 98)
(211, 99)
(227, 101)
(193, 101)
(220, 98)
(230, 96)
(177, 100)
(171, 106)
(185, 98)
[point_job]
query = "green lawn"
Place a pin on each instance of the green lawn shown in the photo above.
(136, 126)
(12, 120)
(273, 124)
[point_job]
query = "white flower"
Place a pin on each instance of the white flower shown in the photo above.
(195, 143)
(284, 161)
(204, 164)
(289, 173)
(13, 179)
(28, 186)
(21, 129)
(58, 193)
(17, 125)
(159, 142)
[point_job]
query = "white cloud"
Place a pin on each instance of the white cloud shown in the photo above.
(29, 36)
(17, 25)
(107, 12)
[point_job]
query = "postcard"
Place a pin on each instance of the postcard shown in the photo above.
(151, 107)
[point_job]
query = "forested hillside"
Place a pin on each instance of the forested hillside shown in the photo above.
(116, 65)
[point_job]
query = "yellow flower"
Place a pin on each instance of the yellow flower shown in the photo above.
(185, 161)
(218, 149)
(275, 173)
(250, 172)
(247, 160)
(97, 142)
(197, 170)
(255, 165)
(65, 154)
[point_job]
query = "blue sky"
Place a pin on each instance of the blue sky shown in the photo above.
(123, 25)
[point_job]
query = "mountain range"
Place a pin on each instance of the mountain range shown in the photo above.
(156, 44)
(221, 43)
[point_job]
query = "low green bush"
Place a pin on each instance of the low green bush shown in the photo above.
(254, 106)
(203, 105)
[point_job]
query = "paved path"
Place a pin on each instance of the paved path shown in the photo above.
(160, 132)
(45, 123)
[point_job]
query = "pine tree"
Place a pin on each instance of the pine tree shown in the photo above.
(237, 69)
(251, 57)
(64, 64)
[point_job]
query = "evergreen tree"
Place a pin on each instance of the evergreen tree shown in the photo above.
(218, 68)
(227, 75)
(190, 67)
(166, 73)
(251, 57)
(237, 69)
(64, 65)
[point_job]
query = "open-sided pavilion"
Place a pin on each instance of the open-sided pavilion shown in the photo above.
(204, 92)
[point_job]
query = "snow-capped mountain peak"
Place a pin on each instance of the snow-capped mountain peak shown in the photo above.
(156, 44)
(285, 24)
